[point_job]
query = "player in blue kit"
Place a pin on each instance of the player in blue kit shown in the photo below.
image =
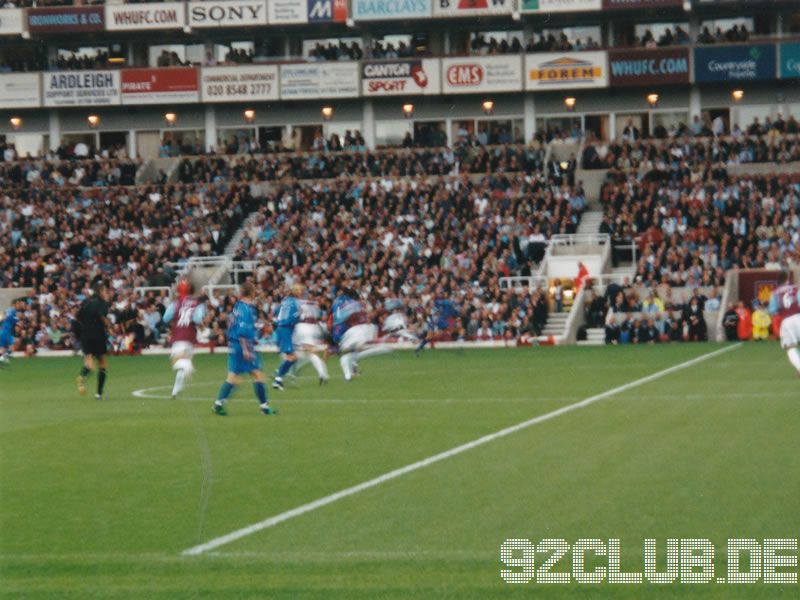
(288, 317)
(242, 354)
(7, 331)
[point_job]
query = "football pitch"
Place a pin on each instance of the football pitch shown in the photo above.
(103, 499)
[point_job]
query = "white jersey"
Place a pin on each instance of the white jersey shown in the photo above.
(308, 331)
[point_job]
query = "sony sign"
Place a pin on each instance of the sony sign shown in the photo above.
(229, 13)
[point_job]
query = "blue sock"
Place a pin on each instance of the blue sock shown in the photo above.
(224, 392)
(284, 368)
(422, 345)
(261, 392)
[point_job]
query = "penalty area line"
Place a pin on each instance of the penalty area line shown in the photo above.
(425, 462)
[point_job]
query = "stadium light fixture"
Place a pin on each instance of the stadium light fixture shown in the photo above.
(570, 102)
(327, 113)
(93, 121)
(249, 115)
(488, 106)
(171, 118)
(652, 100)
(737, 95)
(408, 110)
(16, 123)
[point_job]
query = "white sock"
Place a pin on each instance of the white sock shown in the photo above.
(346, 368)
(319, 365)
(794, 358)
(180, 375)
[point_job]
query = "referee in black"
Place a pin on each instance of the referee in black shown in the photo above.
(93, 326)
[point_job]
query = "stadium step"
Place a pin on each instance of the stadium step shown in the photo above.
(595, 336)
(556, 324)
(590, 221)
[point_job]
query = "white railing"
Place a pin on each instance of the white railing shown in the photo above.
(577, 239)
(519, 282)
(143, 290)
(211, 288)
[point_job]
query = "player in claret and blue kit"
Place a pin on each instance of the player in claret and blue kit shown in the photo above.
(242, 354)
(785, 302)
(7, 328)
(188, 312)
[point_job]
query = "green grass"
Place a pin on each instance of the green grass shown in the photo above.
(99, 499)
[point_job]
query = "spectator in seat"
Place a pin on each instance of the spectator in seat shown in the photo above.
(745, 326)
(730, 323)
(761, 322)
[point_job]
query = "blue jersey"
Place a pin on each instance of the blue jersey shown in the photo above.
(242, 325)
(288, 313)
(346, 313)
(9, 323)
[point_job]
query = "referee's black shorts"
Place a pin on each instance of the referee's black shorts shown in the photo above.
(94, 347)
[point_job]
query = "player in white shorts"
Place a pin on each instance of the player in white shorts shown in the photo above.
(353, 333)
(396, 324)
(785, 301)
(309, 340)
(187, 312)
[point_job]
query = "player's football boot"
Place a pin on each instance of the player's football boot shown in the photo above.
(268, 410)
(277, 383)
(219, 409)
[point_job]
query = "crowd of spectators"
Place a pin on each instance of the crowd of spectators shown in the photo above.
(737, 33)
(689, 232)
(83, 62)
(381, 49)
(439, 245)
(332, 51)
(697, 145)
(462, 159)
(544, 42)
(639, 315)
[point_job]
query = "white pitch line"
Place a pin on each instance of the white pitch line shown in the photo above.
(330, 499)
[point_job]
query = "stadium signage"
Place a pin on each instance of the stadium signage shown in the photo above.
(234, 84)
(81, 88)
(20, 90)
(460, 8)
(573, 70)
(66, 19)
(545, 6)
(11, 20)
(790, 60)
(647, 67)
(319, 80)
(160, 86)
(287, 11)
(229, 13)
(370, 10)
(481, 74)
(400, 77)
(636, 4)
(735, 63)
(154, 15)
(327, 11)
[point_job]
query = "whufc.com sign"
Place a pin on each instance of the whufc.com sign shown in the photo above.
(373, 10)
(734, 63)
(135, 17)
(648, 67)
